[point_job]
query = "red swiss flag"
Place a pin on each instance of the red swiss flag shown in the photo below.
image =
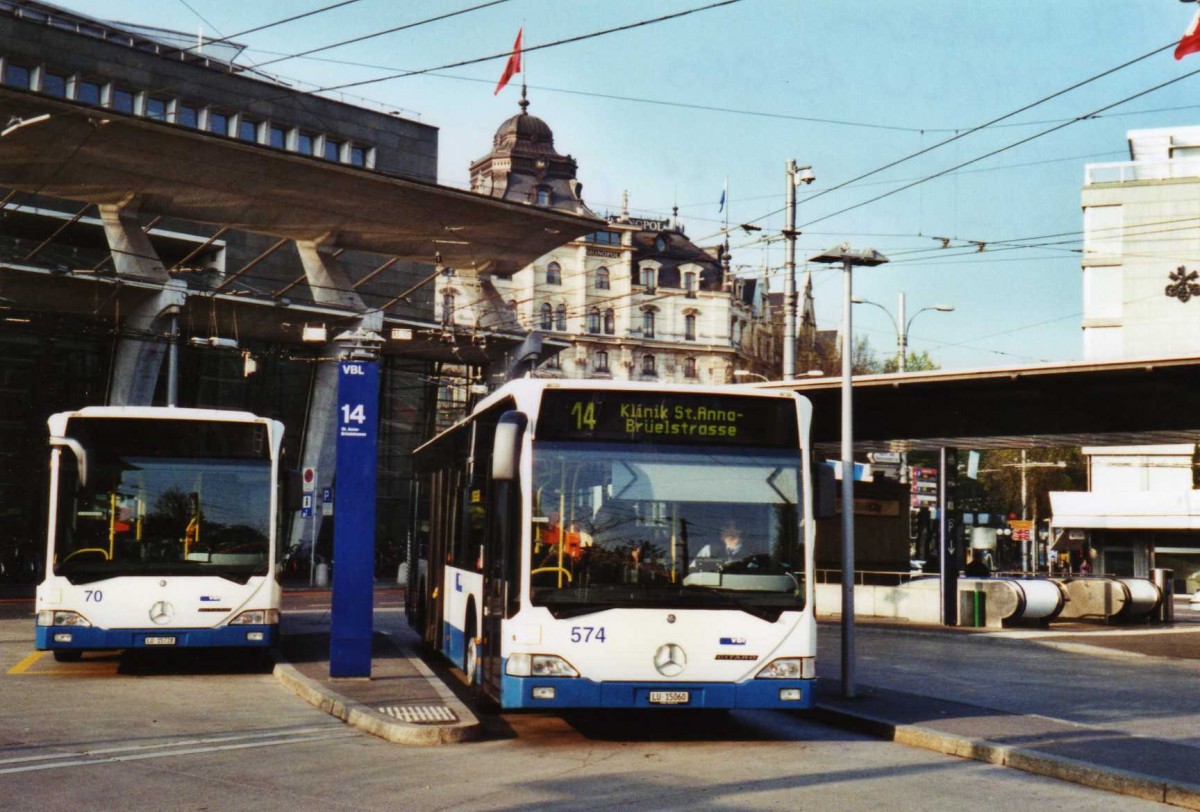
(1191, 39)
(514, 63)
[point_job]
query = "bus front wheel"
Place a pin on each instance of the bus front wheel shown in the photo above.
(471, 656)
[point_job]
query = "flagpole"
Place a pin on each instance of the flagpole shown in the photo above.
(726, 196)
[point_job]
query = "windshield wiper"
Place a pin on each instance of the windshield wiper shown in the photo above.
(568, 610)
(728, 598)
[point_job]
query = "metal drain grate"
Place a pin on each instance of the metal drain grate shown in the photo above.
(420, 714)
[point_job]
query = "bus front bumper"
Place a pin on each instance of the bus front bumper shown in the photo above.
(540, 692)
(90, 638)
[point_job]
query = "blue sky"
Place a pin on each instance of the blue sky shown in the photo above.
(845, 87)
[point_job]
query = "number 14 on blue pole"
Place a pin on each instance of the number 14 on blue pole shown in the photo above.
(354, 527)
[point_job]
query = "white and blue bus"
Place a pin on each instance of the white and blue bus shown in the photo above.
(162, 530)
(594, 544)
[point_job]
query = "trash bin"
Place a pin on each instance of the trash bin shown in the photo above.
(1165, 581)
(322, 574)
(972, 609)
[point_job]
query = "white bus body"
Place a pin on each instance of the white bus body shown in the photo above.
(162, 530)
(567, 541)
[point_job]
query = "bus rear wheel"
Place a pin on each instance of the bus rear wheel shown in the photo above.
(67, 655)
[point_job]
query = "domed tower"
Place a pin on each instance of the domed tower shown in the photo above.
(523, 166)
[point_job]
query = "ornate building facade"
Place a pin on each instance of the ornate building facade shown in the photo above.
(634, 301)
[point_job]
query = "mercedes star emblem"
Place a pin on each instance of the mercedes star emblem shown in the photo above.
(670, 660)
(162, 612)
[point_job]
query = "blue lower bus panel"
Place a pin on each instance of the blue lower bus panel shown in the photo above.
(541, 692)
(454, 643)
(90, 638)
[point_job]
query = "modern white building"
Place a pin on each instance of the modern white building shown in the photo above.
(1141, 299)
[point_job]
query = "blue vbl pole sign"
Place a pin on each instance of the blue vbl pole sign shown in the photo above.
(354, 529)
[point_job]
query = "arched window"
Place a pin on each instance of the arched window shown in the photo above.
(648, 367)
(547, 313)
(602, 281)
(689, 327)
(610, 322)
(593, 320)
(647, 279)
(447, 309)
(647, 324)
(689, 367)
(553, 274)
(602, 361)
(543, 197)
(560, 318)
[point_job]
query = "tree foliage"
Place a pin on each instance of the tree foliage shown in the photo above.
(998, 489)
(868, 361)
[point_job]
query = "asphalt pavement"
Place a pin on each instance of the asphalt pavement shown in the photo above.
(413, 700)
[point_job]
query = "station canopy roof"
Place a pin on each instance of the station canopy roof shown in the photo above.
(1135, 402)
(67, 150)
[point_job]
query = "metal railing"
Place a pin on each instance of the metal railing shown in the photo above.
(1132, 171)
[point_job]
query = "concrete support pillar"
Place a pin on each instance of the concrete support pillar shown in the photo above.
(133, 255)
(146, 326)
(329, 283)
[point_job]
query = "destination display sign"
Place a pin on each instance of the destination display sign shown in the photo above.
(675, 418)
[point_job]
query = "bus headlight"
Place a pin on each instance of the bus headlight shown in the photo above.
(539, 665)
(61, 617)
(256, 617)
(789, 668)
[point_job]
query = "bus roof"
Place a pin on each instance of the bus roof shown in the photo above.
(58, 422)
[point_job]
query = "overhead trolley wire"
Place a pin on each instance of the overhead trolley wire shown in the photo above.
(531, 48)
(990, 123)
(1007, 147)
(375, 34)
(265, 26)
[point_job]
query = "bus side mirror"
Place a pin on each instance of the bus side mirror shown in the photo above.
(824, 491)
(506, 448)
(80, 455)
(293, 491)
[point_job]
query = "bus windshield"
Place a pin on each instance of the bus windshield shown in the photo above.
(144, 513)
(621, 525)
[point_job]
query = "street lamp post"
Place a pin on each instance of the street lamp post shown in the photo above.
(795, 176)
(902, 326)
(848, 258)
(1027, 558)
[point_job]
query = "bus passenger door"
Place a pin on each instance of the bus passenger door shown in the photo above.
(501, 585)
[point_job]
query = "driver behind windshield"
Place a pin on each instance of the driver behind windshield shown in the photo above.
(731, 548)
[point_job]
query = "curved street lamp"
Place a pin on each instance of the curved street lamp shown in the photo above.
(901, 325)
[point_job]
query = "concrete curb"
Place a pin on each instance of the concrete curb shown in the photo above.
(1028, 760)
(379, 724)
